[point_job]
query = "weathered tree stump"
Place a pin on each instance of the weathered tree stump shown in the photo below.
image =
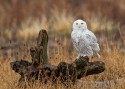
(41, 69)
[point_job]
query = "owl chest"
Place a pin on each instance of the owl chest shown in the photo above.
(77, 39)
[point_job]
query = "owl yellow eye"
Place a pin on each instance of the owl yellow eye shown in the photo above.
(76, 23)
(81, 23)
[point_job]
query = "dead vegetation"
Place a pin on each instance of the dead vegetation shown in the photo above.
(20, 22)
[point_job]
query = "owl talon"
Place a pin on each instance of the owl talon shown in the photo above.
(78, 57)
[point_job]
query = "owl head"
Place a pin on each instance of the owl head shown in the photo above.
(79, 25)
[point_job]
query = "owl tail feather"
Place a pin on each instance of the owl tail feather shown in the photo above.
(96, 55)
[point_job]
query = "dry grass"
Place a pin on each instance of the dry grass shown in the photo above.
(60, 49)
(20, 22)
(115, 69)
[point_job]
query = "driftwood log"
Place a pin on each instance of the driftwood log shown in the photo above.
(41, 69)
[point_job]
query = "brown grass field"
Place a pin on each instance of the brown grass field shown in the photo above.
(21, 20)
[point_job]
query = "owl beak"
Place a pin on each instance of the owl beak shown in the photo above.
(79, 26)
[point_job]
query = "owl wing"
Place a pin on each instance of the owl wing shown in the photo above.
(92, 41)
(85, 48)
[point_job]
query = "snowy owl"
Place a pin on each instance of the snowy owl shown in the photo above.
(84, 41)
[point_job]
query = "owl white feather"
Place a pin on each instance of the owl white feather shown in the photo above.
(84, 41)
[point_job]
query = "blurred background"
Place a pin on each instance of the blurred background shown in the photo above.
(21, 20)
